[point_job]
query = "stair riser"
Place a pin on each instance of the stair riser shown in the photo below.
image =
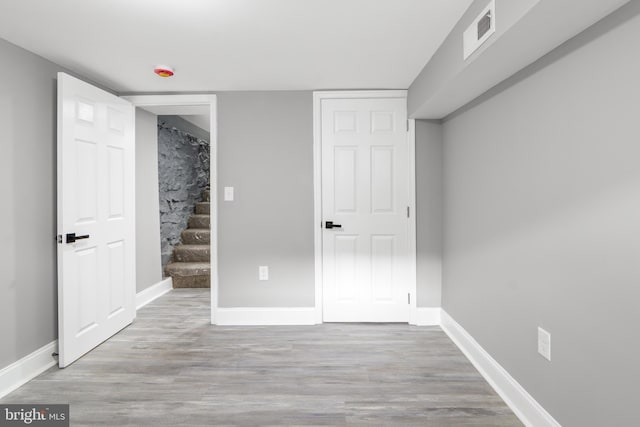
(192, 255)
(192, 282)
(199, 237)
(199, 222)
(203, 208)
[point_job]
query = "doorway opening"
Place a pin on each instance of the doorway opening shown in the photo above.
(185, 202)
(181, 169)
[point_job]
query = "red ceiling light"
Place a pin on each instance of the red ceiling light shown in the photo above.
(163, 71)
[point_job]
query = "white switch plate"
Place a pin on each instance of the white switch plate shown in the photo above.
(544, 343)
(263, 272)
(228, 194)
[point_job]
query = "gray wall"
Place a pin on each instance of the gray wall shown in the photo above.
(429, 212)
(542, 223)
(148, 268)
(28, 283)
(265, 151)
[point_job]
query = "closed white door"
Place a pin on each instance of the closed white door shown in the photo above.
(364, 192)
(96, 218)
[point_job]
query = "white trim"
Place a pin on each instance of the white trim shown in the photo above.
(412, 227)
(526, 408)
(262, 316)
(358, 94)
(318, 96)
(317, 200)
(427, 316)
(170, 100)
(145, 296)
(24, 370)
(212, 102)
(213, 192)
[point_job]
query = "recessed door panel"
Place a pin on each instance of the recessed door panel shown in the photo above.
(85, 112)
(382, 176)
(345, 180)
(116, 277)
(86, 183)
(382, 258)
(346, 258)
(382, 122)
(87, 302)
(115, 170)
(345, 122)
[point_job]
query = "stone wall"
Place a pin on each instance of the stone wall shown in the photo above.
(183, 173)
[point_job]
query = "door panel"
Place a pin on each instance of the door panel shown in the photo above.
(364, 189)
(96, 275)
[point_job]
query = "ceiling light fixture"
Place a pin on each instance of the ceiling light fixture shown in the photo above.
(163, 70)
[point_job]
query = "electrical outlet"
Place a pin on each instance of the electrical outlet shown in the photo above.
(544, 343)
(263, 272)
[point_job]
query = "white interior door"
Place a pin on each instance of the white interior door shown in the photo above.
(365, 191)
(96, 273)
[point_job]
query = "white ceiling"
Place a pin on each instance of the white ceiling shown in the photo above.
(219, 45)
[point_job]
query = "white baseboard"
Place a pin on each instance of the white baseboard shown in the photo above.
(145, 296)
(426, 316)
(27, 368)
(245, 316)
(530, 412)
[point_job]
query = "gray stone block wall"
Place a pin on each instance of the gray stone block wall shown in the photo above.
(183, 169)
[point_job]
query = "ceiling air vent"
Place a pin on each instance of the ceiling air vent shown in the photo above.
(480, 29)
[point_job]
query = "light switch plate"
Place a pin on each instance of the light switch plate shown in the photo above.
(544, 343)
(228, 194)
(263, 272)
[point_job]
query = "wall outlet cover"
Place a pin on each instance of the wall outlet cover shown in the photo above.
(544, 343)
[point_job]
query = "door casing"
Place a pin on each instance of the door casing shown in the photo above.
(318, 96)
(191, 100)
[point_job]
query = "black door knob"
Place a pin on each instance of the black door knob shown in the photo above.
(71, 237)
(330, 224)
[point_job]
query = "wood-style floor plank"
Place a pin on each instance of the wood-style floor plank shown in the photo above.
(171, 367)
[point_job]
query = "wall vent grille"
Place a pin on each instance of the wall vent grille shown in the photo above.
(480, 29)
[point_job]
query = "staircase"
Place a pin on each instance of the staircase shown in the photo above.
(191, 264)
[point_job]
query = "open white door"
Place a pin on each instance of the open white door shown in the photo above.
(96, 177)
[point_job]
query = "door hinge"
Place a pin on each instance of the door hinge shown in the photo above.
(408, 212)
(408, 298)
(407, 125)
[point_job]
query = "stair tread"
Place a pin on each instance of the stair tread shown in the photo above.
(196, 236)
(189, 264)
(193, 252)
(191, 246)
(188, 269)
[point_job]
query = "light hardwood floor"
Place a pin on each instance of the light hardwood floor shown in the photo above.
(171, 367)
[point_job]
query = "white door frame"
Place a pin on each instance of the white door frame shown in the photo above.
(317, 190)
(187, 100)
